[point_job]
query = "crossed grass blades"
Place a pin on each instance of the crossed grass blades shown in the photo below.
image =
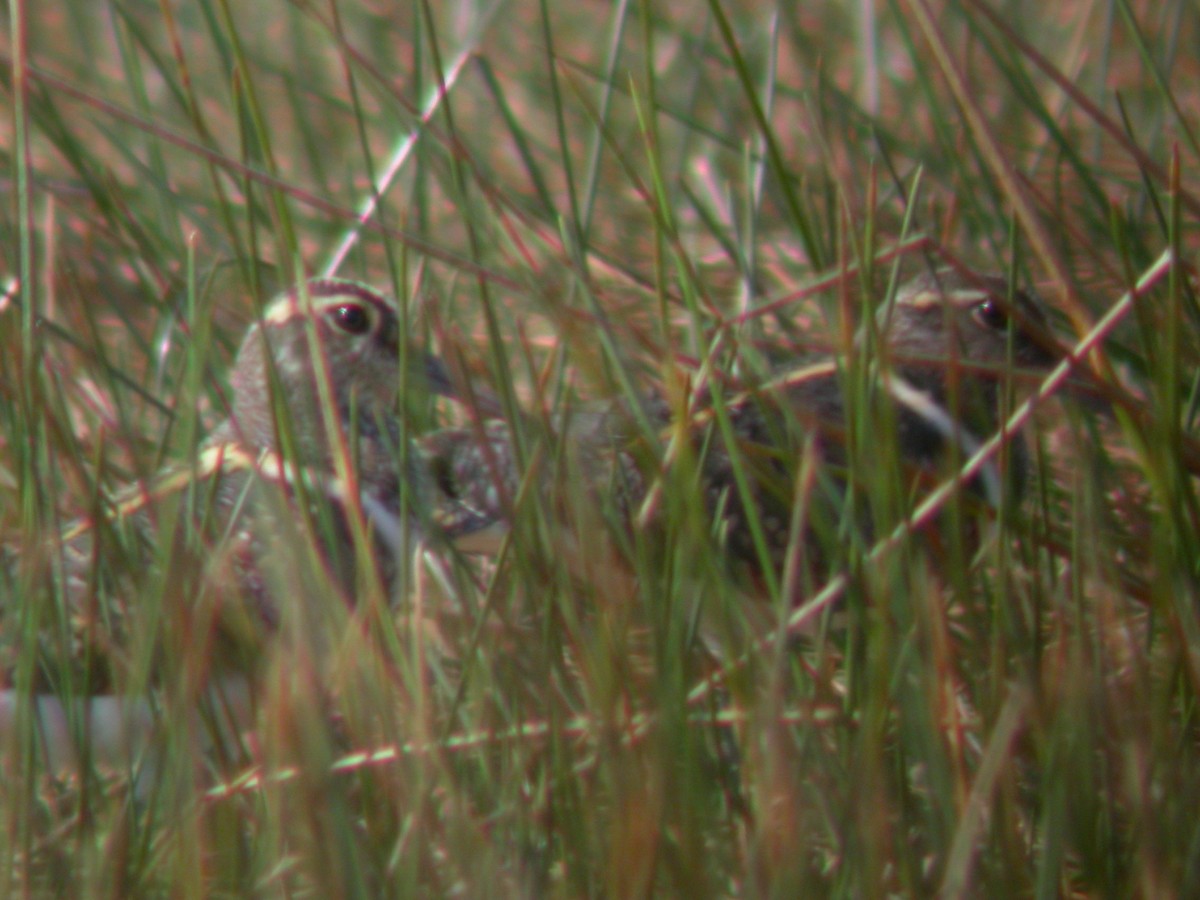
(573, 200)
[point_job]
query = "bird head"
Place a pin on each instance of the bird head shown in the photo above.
(975, 321)
(330, 338)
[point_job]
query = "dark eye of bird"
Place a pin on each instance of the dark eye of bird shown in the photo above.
(991, 314)
(351, 318)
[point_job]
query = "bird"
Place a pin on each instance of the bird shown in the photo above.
(315, 385)
(933, 365)
(305, 479)
(932, 388)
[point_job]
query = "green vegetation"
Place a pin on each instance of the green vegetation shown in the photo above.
(573, 201)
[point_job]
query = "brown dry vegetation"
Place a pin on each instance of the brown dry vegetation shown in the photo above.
(610, 194)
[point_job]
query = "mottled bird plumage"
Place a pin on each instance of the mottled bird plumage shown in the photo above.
(945, 346)
(313, 439)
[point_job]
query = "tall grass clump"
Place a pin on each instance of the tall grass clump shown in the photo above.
(575, 203)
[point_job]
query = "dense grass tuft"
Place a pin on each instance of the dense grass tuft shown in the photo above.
(572, 202)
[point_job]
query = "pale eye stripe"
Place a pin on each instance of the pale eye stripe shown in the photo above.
(934, 298)
(290, 307)
(284, 309)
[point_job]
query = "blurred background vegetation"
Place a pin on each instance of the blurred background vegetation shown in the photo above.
(571, 199)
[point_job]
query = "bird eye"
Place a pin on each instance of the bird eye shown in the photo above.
(991, 313)
(351, 318)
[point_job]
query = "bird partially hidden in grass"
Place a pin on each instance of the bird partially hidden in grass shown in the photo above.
(296, 501)
(801, 465)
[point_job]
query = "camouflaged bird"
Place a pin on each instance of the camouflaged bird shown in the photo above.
(282, 499)
(945, 348)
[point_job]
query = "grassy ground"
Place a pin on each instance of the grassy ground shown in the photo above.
(574, 199)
